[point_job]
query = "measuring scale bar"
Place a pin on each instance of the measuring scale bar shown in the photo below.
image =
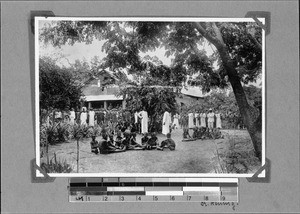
(155, 189)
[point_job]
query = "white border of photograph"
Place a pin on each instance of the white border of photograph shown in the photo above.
(170, 19)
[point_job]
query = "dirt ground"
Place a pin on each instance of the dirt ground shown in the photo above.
(189, 157)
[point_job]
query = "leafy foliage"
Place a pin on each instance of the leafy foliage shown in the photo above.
(56, 166)
(154, 100)
(58, 89)
(54, 133)
(124, 41)
(79, 131)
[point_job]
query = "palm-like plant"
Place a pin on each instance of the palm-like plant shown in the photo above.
(78, 132)
(96, 130)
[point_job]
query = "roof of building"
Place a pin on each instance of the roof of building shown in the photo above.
(193, 92)
(95, 90)
(95, 93)
(102, 97)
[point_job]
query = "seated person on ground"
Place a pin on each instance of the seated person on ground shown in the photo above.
(216, 133)
(107, 147)
(94, 145)
(195, 133)
(133, 144)
(129, 141)
(153, 141)
(119, 138)
(111, 139)
(168, 143)
(186, 134)
(145, 139)
(126, 139)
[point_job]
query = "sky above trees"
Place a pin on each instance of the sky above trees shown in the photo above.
(80, 51)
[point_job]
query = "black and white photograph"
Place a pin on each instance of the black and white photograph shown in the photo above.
(150, 96)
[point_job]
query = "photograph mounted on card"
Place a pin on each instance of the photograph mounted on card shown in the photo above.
(140, 97)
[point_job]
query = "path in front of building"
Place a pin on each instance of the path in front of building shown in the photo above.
(188, 157)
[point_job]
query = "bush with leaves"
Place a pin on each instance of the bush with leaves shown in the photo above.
(56, 166)
(54, 133)
(155, 101)
(78, 132)
(58, 88)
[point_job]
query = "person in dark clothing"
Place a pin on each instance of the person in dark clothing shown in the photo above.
(126, 139)
(118, 141)
(132, 143)
(107, 147)
(94, 145)
(168, 143)
(153, 141)
(145, 139)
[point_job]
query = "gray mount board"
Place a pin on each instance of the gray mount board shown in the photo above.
(21, 195)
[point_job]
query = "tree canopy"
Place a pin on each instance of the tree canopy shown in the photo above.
(58, 89)
(125, 40)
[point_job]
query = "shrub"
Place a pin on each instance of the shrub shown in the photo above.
(54, 133)
(96, 130)
(56, 166)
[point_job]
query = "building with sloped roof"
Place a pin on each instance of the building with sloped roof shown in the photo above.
(98, 97)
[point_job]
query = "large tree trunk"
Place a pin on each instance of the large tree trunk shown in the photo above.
(248, 116)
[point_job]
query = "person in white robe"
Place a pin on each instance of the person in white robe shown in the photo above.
(176, 121)
(197, 119)
(218, 120)
(91, 117)
(144, 121)
(83, 117)
(211, 119)
(166, 123)
(72, 116)
(203, 119)
(136, 115)
(191, 120)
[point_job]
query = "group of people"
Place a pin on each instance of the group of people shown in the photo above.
(126, 140)
(191, 120)
(87, 116)
(167, 123)
(209, 119)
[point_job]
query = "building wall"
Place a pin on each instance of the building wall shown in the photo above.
(187, 100)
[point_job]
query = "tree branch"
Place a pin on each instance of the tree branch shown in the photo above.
(257, 44)
(218, 33)
(205, 34)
